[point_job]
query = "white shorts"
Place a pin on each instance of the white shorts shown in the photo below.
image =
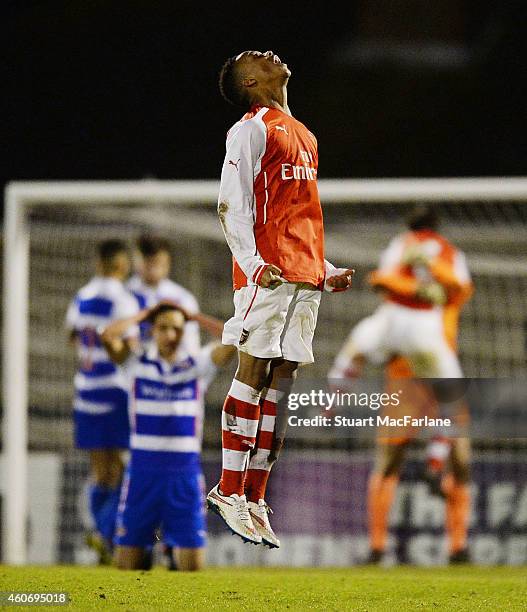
(271, 323)
(397, 330)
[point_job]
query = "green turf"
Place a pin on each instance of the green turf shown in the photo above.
(363, 589)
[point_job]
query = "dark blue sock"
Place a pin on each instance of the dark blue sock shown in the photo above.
(98, 498)
(108, 515)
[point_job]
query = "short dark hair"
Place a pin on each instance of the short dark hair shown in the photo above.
(229, 87)
(423, 216)
(150, 245)
(165, 307)
(108, 249)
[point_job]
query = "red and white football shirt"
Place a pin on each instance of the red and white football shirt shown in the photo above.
(268, 204)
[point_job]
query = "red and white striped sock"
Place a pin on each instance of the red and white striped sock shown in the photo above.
(239, 424)
(260, 463)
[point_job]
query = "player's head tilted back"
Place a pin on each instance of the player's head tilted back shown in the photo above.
(423, 217)
(113, 259)
(253, 77)
(153, 263)
(168, 322)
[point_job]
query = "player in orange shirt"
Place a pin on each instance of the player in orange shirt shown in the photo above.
(422, 289)
(271, 216)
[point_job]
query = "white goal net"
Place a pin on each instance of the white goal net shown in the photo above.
(51, 231)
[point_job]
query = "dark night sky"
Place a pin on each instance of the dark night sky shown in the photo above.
(102, 89)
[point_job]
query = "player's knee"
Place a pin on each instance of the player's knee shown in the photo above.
(285, 368)
(128, 558)
(252, 371)
(190, 560)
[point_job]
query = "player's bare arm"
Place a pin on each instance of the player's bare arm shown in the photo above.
(118, 347)
(210, 324)
(222, 354)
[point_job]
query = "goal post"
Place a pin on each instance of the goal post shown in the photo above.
(23, 198)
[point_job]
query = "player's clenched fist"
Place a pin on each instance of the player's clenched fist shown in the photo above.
(271, 277)
(340, 281)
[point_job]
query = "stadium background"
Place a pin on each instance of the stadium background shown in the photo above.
(123, 91)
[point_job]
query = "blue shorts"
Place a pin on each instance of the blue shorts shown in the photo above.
(173, 501)
(108, 430)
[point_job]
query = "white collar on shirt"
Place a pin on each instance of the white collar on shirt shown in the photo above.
(153, 354)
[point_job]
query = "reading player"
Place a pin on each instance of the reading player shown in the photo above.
(271, 216)
(150, 285)
(100, 405)
(424, 277)
(163, 486)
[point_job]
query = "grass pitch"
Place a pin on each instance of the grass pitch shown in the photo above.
(356, 589)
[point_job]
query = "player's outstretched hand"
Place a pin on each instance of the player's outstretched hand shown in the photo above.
(271, 278)
(340, 282)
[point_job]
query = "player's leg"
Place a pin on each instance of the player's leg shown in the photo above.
(113, 468)
(110, 460)
(106, 468)
(296, 346)
(256, 329)
(240, 416)
(100, 492)
(365, 343)
(437, 453)
(183, 519)
(189, 559)
(102, 436)
(447, 395)
(425, 342)
(457, 492)
(269, 441)
(349, 362)
(382, 485)
(129, 557)
(139, 515)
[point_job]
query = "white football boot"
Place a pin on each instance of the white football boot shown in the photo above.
(260, 515)
(234, 511)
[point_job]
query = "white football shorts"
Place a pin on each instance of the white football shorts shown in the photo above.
(272, 323)
(398, 330)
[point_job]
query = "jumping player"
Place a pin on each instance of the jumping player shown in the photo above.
(163, 486)
(271, 216)
(425, 282)
(100, 404)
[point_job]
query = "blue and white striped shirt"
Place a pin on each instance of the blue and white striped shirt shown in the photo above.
(101, 301)
(167, 408)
